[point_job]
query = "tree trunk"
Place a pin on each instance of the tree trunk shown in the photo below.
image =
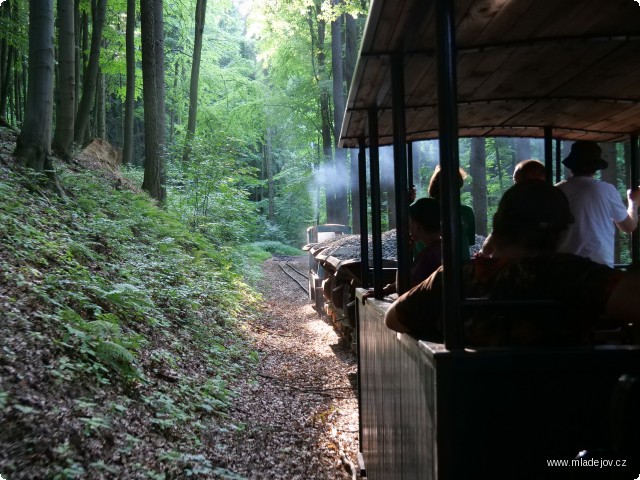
(355, 191)
(610, 175)
(158, 36)
(101, 127)
(138, 132)
(90, 76)
(350, 48)
(66, 99)
(269, 167)
(5, 68)
(154, 174)
(78, 52)
(498, 163)
(173, 115)
(478, 171)
(317, 52)
(201, 11)
(17, 88)
(340, 157)
(127, 151)
(350, 59)
(523, 149)
(5, 12)
(387, 187)
(32, 146)
(5, 92)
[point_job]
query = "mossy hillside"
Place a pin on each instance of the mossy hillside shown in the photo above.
(120, 330)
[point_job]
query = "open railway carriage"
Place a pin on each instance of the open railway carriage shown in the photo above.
(562, 69)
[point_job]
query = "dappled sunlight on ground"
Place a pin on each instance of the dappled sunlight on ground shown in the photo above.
(300, 411)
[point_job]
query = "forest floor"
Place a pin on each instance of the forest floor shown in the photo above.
(301, 415)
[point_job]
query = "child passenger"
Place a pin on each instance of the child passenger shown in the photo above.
(424, 227)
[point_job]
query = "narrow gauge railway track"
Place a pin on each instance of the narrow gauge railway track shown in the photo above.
(290, 271)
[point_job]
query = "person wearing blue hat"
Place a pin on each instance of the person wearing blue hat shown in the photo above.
(596, 206)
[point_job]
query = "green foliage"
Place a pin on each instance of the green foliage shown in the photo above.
(208, 194)
(14, 28)
(124, 297)
(102, 343)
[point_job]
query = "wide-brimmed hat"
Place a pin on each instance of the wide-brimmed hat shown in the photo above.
(585, 155)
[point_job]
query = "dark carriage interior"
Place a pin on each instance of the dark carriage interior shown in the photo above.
(566, 69)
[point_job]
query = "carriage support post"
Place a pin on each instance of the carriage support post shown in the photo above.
(364, 223)
(400, 173)
(376, 221)
(450, 165)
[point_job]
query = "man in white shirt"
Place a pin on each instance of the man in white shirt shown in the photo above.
(596, 206)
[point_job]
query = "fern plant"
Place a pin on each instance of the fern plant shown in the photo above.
(102, 341)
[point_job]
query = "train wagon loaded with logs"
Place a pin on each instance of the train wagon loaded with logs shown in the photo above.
(335, 271)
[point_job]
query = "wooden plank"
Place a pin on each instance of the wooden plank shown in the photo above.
(627, 119)
(374, 73)
(488, 21)
(609, 76)
(420, 80)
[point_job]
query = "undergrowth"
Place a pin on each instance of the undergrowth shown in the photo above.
(119, 327)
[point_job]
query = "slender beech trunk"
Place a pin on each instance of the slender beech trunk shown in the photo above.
(17, 89)
(478, 171)
(499, 164)
(5, 92)
(158, 40)
(355, 191)
(66, 97)
(78, 52)
(154, 171)
(100, 110)
(340, 157)
(173, 111)
(201, 10)
(90, 77)
(610, 175)
(350, 48)
(317, 27)
(127, 152)
(523, 148)
(269, 167)
(5, 66)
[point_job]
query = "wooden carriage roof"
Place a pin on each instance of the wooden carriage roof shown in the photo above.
(523, 65)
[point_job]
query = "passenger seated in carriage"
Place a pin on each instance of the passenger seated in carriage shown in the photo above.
(424, 227)
(525, 171)
(525, 266)
(467, 215)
